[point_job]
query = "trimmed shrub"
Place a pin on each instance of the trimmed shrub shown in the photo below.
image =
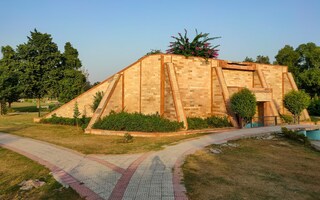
(218, 122)
(197, 123)
(243, 104)
(295, 102)
(209, 122)
(293, 135)
(83, 121)
(124, 121)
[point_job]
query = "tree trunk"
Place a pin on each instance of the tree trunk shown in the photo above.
(9, 104)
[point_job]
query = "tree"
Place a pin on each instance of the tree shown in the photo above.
(314, 107)
(295, 102)
(73, 80)
(199, 46)
(76, 113)
(37, 59)
(310, 81)
(9, 76)
(289, 57)
(304, 63)
(247, 59)
(243, 104)
(262, 59)
(309, 56)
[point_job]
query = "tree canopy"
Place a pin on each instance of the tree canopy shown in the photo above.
(37, 69)
(260, 59)
(296, 101)
(304, 63)
(243, 104)
(9, 76)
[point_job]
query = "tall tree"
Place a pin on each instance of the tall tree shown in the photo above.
(37, 59)
(304, 63)
(289, 57)
(74, 80)
(309, 56)
(262, 59)
(9, 77)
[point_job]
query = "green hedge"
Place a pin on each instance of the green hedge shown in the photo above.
(124, 121)
(83, 121)
(209, 122)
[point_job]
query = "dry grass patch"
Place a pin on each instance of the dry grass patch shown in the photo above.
(257, 169)
(15, 168)
(74, 138)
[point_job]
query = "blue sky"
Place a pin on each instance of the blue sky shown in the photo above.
(110, 35)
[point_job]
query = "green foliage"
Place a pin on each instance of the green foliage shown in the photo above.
(96, 100)
(154, 51)
(262, 59)
(83, 121)
(124, 121)
(209, 122)
(9, 76)
(243, 104)
(296, 101)
(72, 81)
(127, 138)
(199, 46)
(304, 63)
(314, 107)
(293, 135)
(288, 56)
(310, 79)
(248, 59)
(76, 113)
(218, 122)
(3, 107)
(287, 118)
(197, 123)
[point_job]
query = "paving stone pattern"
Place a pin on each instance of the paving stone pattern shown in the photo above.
(152, 175)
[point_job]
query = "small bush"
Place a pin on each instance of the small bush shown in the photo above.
(96, 100)
(287, 118)
(209, 122)
(83, 122)
(293, 135)
(197, 123)
(124, 121)
(127, 138)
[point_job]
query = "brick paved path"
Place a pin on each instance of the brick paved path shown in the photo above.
(152, 175)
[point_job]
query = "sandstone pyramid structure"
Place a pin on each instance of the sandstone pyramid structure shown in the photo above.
(177, 87)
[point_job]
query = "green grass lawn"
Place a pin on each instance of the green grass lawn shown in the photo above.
(257, 169)
(15, 168)
(72, 137)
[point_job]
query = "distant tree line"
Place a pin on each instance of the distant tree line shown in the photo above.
(37, 68)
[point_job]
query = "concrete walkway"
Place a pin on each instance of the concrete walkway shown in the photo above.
(152, 175)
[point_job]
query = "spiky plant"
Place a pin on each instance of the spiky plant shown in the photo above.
(199, 46)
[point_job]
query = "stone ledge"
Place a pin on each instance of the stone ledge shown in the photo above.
(156, 134)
